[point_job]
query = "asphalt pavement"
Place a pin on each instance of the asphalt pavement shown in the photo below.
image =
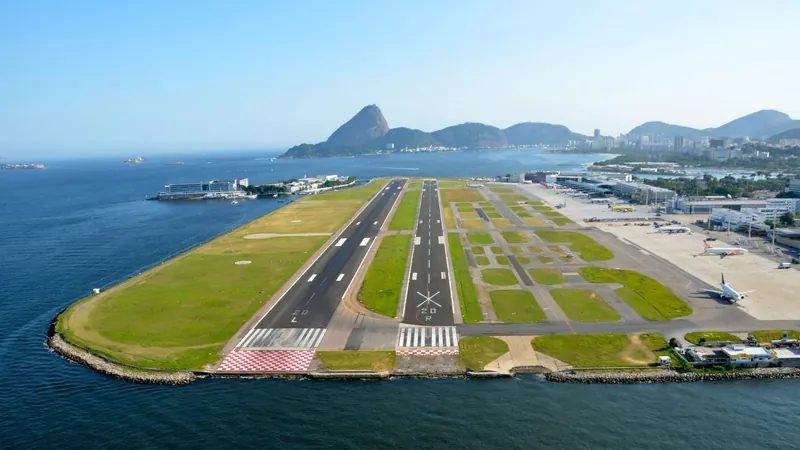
(315, 295)
(428, 298)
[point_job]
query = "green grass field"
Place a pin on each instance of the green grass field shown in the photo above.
(543, 275)
(478, 224)
(711, 336)
(496, 250)
(465, 208)
(523, 260)
(772, 335)
(517, 209)
(584, 305)
(502, 260)
(516, 306)
(515, 237)
(415, 185)
(181, 313)
(499, 277)
(513, 197)
(501, 189)
(460, 195)
(542, 208)
(356, 360)
(478, 250)
(480, 238)
(524, 214)
(556, 249)
(501, 223)
(405, 217)
(545, 259)
(603, 350)
(475, 352)
(651, 299)
(482, 260)
(587, 247)
(484, 204)
(384, 280)
(516, 249)
(469, 216)
(534, 249)
(561, 221)
(534, 222)
(494, 215)
(467, 294)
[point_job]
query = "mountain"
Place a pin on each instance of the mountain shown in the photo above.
(368, 124)
(758, 125)
(471, 134)
(789, 134)
(368, 132)
(540, 133)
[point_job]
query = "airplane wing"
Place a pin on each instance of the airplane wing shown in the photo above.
(712, 291)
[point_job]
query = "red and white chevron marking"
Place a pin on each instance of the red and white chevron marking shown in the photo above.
(427, 351)
(267, 361)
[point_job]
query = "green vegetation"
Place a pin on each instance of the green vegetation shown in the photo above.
(501, 223)
(484, 204)
(478, 250)
(496, 250)
(467, 295)
(542, 208)
(551, 214)
(523, 214)
(584, 305)
(543, 275)
(513, 197)
(516, 250)
(517, 209)
(415, 185)
(772, 335)
(464, 208)
(384, 279)
(516, 306)
(179, 314)
(460, 195)
(473, 224)
(709, 185)
(475, 352)
(603, 350)
(711, 336)
(651, 299)
(534, 222)
(357, 360)
(494, 215)
(555, 248)
(523, 260)
(480, 238)
(499, 277)
(561, 221)
(515, 237)
(482, 260)
(405, 217)
(534, 249)
(502, 260)
(587, 247)
(470, 215)
(501, 190)
(545, 259)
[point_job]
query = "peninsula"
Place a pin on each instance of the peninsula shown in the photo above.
(427, 277)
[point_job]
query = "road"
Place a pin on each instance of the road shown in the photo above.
(312, 300)
(428, 298)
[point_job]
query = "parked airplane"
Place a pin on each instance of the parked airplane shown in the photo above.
(671, 230)
(724, 251)
(728, 292)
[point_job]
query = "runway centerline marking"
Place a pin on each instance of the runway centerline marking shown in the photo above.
(339, 278)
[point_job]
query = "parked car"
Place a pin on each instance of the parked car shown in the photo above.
(785, 265)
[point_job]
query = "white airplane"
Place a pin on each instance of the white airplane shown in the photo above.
(724, 251)
(728, 292)
(671, 230)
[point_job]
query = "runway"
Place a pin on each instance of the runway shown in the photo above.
(311, 301)
(428, 298)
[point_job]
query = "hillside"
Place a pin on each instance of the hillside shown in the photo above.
(789, 134)
(758, 125)
(368, 131)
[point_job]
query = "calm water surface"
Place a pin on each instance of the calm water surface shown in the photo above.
(84, 224)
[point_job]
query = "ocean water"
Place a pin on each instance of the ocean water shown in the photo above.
(84, 224)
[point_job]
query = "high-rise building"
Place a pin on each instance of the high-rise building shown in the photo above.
(716, 143)
(678, 143)
(596, 133)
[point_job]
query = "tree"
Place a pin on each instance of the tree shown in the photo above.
(701, 342)
(787, 219)
(673, 343)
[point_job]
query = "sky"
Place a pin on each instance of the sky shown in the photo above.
(86, 77)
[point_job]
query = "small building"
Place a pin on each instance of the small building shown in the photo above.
(742, 355)
(642, 193)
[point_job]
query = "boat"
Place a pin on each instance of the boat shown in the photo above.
(274, 195)
(135, 160)
(176, 163)
(234, 202)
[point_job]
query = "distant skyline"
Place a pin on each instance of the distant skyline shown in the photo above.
(149, 77)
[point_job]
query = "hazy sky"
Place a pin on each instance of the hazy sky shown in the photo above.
(88, 77)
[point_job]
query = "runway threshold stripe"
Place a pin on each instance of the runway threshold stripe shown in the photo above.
(319, 339)
(310, 279)
(307, 336)
(364, 242)
(339, 278)
(245, 337)
(340, 242)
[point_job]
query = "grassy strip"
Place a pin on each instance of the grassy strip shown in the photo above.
(499, 277)
(460, 195)
(502, 260)
(711, 336)
(478, 250)
(467, 295)
(544, 275)
(561, 221)
(475, 352)
(588, 248)
(545, 259)
(405, 217)
(602, 350)
(583, 305)
(513, 197)
(480, 238)
(523, 260)
(773, 335)
(482, 260)
(384, 279)
(534, 222)
(534, 249)
(494, 215)
(355, 360)
(501, 190)
(501, 223)
(651, 299)
(496, 250)
(179, 314)
(477, 224)
(515, 237)
(516, 250)
(516, 306)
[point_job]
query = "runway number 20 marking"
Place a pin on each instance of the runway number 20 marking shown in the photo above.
(298, 312)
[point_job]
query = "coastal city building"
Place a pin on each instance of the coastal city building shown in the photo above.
(642, 193)
(205, 187)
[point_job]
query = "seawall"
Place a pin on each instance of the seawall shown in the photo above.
(670, 376)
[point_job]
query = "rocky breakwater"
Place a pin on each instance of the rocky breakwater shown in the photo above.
(670, 376)
(77, 354)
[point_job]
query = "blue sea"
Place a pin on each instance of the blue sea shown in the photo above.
(83, 224)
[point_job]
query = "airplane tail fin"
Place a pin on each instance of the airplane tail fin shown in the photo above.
(723, 278)
(705, 244)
